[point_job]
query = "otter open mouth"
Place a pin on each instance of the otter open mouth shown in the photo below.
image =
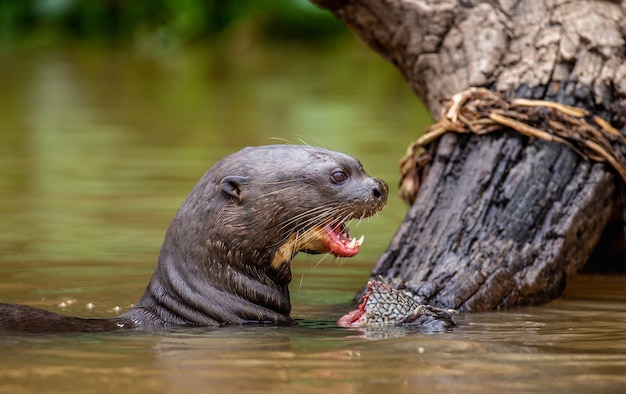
(336, 238)
(333, 238)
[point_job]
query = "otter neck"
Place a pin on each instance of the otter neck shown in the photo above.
(223, 290)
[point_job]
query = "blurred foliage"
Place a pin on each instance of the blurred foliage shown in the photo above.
(166, 22)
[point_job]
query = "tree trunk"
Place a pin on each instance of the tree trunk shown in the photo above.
(502, 219)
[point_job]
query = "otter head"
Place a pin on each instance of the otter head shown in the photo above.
(226, 256)
(286, 199)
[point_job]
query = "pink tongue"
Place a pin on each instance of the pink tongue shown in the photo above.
(337, 242)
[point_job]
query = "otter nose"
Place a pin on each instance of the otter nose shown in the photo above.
(379, 192)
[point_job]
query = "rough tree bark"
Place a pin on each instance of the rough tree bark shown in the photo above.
(502, 220)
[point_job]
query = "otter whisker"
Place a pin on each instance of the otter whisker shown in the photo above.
(286, 141)
(340, 261)
(304, 143)
(316, 215)
(313, 210)
(279, 191)
(311, 150)
(312, 214)
(304, 223)
(324, 257)
(303, 272)
(306, 262)
(311, 222)
(326, 217)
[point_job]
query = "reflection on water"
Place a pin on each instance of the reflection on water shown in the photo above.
(574, 346)
(99, 147)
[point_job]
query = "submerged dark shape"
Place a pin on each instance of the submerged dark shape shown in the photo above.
(227, 253)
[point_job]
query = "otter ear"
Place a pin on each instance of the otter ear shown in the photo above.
(232, 185)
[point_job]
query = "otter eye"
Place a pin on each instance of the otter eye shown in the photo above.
(338, 177)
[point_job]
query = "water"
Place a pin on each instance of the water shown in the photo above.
(98, 147)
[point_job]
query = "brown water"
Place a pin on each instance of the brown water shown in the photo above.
(99, 147)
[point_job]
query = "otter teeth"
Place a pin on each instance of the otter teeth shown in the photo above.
(355, 242)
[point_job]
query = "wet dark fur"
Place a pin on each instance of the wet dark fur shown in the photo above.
(215, 265)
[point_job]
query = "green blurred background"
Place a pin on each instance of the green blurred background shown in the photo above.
(163, 23)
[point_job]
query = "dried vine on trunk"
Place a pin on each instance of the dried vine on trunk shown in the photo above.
(481, 111)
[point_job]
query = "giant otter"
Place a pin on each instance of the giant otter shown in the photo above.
(227, 252)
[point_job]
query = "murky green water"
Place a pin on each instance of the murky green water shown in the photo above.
(99, 147)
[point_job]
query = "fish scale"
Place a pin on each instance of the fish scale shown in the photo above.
(385, 305)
